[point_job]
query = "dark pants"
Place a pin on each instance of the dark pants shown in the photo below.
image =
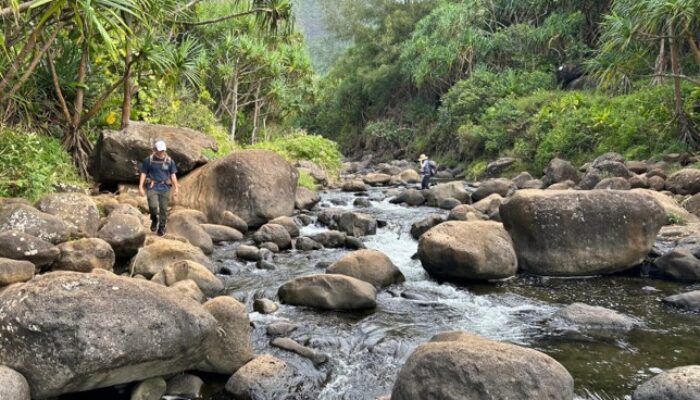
(425, 183)
(158, 206)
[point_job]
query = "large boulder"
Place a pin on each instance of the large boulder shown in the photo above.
(442, 191)
(596, 317)
(97, 330)
(84, 255)
(178, 271)
(373, 179)
(27, 219)
(575, 233)
(462, 366)
(370, 266)
(495, 168)
(74, 208)
(681, 383)
(689, 300)
(222, 233)
(231, 348)
(289, 224)
(410, 176)
(674, 212)
(559, 170)
(329, 292)
(13, 386)
(685, 181)
(20, 246)
(14, 271)
(305, 199)
(160, 253)
(187, 224)
(498, 186)
(274, 233)
(357, 224)
(679, 264)
(124, 232)
(412, 197)
(423, 225)
(266, 377)
(461, 250)
(256, 185)
(118, 154)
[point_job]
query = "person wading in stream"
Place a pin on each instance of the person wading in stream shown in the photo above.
(158, 174)
(428, 169)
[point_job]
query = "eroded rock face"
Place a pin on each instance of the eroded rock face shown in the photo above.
(460, 366)
(330, 292)
(682, 383)
(124, 232)
(461, 250)
(371, 266)
(77, 323)
(575, 233)
(21, 246)
(74, 208)
(29, 220)
(118, 154)
(256, 185)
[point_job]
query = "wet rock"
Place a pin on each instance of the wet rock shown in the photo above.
(118, 154)
(150, 389)
(231, 348)
(679, 264)
(160, 253)
(412, 197)
(330, 292)
(376, 179)
(234, 221)
(187, 225)
(575, 233)
(185, 385)
(674, 212)
(362, 202)
(221, 233)
(269, 246)
(354, 186)
(29, 220)
(165, 337)
(496, 168)
(499, 186)
(266, 377)
(457, 250)
(354, 243)
(685, 181)
(84, 255)
(15, 271)
(458, 365)
(264, 264)
(307, 244)
(357, 224)
(682, 383)
(371, 266)
(316, 357)
(330, 217)
(410, 176)
(21, 246)
(657, 183)
(323, 264)
(248, 253)
(124, 232)
(289, 224)
(280, 329)
(305, 199)
(421, 226)
(265, 306)
(464, 212)
(613, 184)
(13, 386)
(331, 239)
(558, 171)
(76, 209)
(453, 190)
(265, 187)
(448, 203)
(595, 317)
(305, 219)
(274, 233)
(689, 300)
(189, 289)
(190, 270)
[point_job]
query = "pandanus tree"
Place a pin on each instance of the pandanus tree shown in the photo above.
(656, 39)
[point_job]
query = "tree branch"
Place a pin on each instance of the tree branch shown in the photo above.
(57, 88)
(679, 76)
(20, 9)
(225, 18)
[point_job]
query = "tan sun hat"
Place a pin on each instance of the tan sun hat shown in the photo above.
(422, 157)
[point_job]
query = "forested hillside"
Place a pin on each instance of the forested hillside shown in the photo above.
(470, 80)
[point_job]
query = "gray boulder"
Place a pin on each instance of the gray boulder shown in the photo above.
(453, 190)
(15, 271)
(76, 323)
(559, 170)
(685, 181)
(186, 224)
(613, 184)
(357, 224)
(265, 306)
(421, 226)
(248, 253)
(305, 199)
(221, 233)
(274, 233)
(412, 197)
(29, 220)
(495, 168)
(13, 386)
(124, 232)
(84, 255)
(689, 300)
(77, 209)
(588, 316)
(679, 264)
(307, 244)
(371, 266)
(234, 221)
(681, 383)
(499, 186)
(331, 239)
(329, 292)
(21, 246)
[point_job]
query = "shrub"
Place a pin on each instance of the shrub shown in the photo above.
(300, 146)
(306, 181)
(31, 164)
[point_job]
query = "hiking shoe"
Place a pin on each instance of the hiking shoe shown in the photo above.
(154, 226)
(161, 230)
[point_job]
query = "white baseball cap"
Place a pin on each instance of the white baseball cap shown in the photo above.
(160, 145)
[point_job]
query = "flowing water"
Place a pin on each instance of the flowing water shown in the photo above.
(367, 350)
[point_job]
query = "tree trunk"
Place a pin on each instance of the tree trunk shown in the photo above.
(688, 134)
(126, 104)
(33, 64)
(73, 140)
(234, 107)
(660, 65)
(256, 113)
(693, 46)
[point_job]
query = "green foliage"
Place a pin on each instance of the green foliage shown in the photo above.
(300, 146)
(31, 164)
(306, 181)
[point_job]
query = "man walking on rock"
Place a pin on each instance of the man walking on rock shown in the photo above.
(427, 169)
(158, 174)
